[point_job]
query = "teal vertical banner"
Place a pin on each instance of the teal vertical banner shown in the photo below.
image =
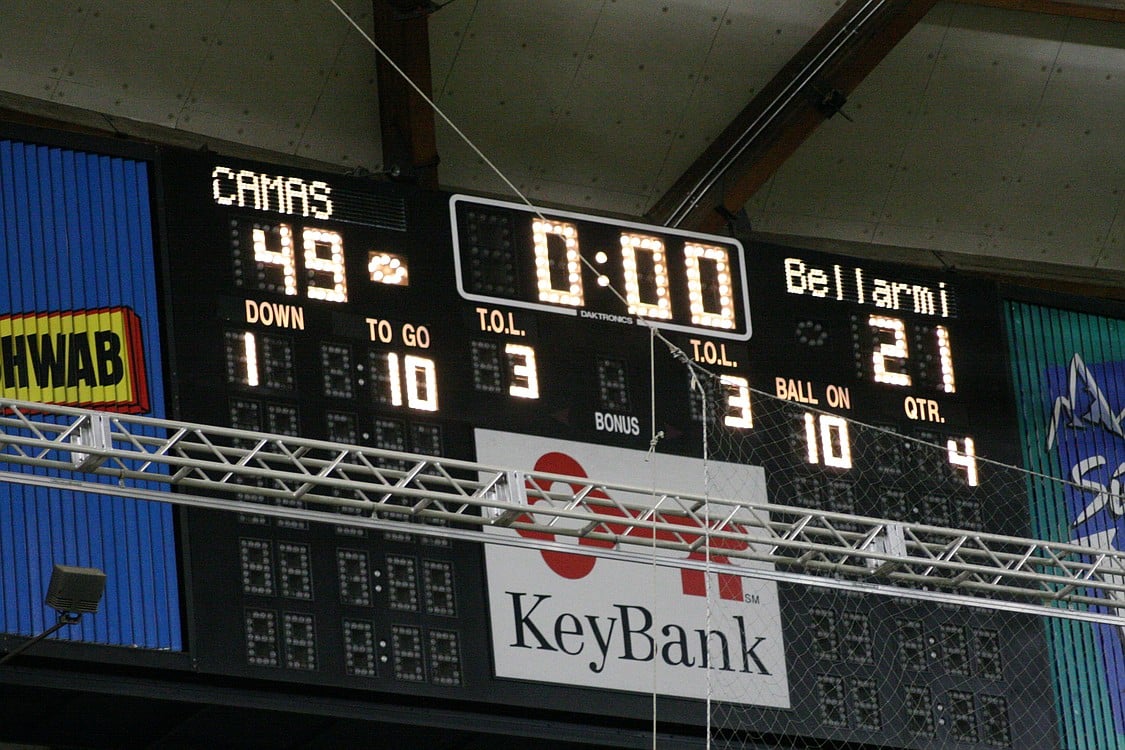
(1069, 371)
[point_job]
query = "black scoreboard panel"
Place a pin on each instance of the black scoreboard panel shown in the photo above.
(918, 356)
(272, 334)
(372, 313)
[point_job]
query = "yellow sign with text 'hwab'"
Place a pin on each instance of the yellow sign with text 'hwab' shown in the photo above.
(91, 358)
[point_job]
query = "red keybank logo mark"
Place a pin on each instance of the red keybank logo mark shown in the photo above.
(575, 565)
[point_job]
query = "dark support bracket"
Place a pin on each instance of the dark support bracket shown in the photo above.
(831, 102)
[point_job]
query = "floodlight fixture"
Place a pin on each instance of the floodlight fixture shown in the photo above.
(72, 592)
(77, 590)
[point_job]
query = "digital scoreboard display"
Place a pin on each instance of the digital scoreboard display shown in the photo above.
(513, 255)
(376, 314)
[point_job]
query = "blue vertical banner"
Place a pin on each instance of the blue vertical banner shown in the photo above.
(80, 325)
(1069, 370)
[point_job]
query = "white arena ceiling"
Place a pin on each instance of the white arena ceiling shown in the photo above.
(990, 137)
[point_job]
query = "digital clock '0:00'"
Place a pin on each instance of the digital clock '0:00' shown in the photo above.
(568, 263)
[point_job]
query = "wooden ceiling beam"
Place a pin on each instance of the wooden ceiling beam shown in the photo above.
(809, 89)
(406, 121)
(1094, 10)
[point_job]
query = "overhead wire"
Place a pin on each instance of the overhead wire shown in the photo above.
(433, 105)
(790, 92)
(491, 165)
(676, 352)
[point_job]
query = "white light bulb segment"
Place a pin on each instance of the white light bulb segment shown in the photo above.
(250, 347)
(420, 376)
(394, 379)
(838, 451)
(714, 263)
(570, 292)
(810, 439)
(964, 459)
(387, 268)
(324, 256)
(659, 302)
(282, 258)
(834, 446)
(945, 357)
(421, 382)
(889, 350)
(525, 374)
(738, 402)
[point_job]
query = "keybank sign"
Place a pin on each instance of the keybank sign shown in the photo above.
(631, 634)
(577, 619)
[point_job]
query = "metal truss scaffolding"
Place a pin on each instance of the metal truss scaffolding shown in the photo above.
(235, 470)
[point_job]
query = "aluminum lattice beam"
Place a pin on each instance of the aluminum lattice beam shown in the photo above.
(236, 470)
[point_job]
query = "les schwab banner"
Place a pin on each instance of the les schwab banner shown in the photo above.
(577, 619)
(88, 358)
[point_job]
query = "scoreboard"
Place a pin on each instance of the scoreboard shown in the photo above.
(377, 314)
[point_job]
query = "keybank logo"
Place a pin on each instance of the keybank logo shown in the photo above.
(92, 358)
(574, 566)
(631, 632)
(572, 617)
